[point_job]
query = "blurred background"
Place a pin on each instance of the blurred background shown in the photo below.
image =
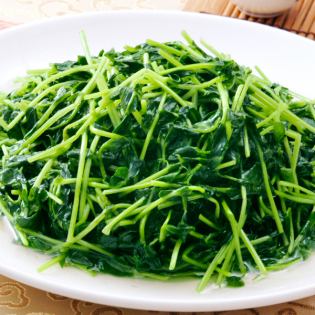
(296, 16)
(20, 11)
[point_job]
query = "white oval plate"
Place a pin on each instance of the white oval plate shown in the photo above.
(285, 57)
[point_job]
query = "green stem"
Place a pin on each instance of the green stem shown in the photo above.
(124, 214)
(236, 237)
(152, 127)
(175, 254)
(85, 181)
(272, 203)
(253, 252)
(211, 268)
(101, 83)
(76, 201)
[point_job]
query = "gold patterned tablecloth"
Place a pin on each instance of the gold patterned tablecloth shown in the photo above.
(19, 299)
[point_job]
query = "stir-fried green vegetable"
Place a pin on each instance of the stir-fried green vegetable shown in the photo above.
(160, 161)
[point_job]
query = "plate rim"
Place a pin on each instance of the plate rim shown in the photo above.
(74, 16)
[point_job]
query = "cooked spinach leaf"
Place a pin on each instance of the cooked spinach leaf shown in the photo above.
(161, 160)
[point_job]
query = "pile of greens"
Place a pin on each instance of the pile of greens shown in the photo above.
(161, 161)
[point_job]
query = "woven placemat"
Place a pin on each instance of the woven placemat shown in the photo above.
(300, 19)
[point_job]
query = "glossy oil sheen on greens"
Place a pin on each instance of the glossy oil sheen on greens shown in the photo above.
(164, 160)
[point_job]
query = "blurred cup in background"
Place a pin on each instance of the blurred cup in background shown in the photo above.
(264, 8)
